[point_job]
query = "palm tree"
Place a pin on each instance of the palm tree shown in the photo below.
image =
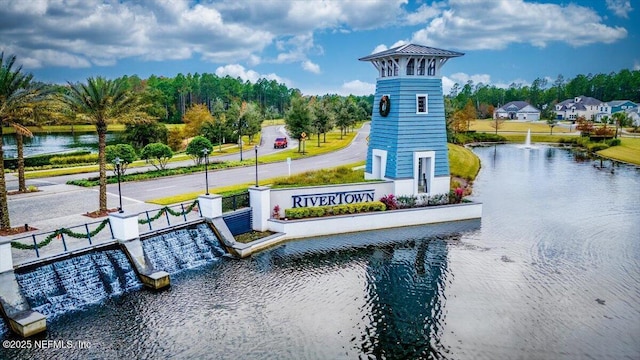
(620, 119)
(100, 102)
(17, 93)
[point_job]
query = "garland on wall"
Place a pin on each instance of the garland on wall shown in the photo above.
(64, 231)
(166, 209)
(60, 232)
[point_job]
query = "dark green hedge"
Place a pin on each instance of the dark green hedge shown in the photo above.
(318, 211)
(473, 137)
(40, 160)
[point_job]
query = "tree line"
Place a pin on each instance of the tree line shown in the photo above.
(544, 94)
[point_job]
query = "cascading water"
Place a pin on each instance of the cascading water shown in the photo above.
(183, 249)
(4, 328)
(71, 284)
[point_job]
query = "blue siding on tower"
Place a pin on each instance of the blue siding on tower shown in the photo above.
(403, 131)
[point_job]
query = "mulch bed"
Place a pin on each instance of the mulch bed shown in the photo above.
(16, 192)
(16, 230)
(98, 213)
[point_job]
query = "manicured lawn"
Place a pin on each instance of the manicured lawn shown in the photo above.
(463, 162)
(628, 151)
(517, 126)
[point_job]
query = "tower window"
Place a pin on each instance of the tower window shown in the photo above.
(432, 68)
(410, 67)
(421, 67)
(421, 104)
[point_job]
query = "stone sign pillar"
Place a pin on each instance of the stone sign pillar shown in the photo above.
(260, 202)
(210, 205)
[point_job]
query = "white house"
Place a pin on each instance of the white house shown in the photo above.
(571, 109)
(634, 115)
(517, 110)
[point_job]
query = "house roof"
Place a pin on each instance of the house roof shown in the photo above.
(582, 100)
(614, 103)
(412, 49)
(515, 106)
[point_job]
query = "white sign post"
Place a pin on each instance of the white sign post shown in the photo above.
(289, 165)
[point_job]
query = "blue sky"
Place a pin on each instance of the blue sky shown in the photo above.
(315, 45)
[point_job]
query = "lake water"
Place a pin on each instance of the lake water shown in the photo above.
(53, 143)
(552, 271)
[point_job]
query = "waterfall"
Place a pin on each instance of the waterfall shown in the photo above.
(4, 327)
(183, 249)
(73, 283)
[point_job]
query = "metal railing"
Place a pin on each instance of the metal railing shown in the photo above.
(168, 216)
(65, 239)
(235, 202)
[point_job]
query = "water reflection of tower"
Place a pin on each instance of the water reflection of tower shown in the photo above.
(406, 285)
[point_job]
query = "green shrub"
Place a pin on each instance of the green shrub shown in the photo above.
(39, 160)
(197, 147)
(593, 147)
(74, 160)
(409, 201)
(613, 142)
(158, 154)
(471, 137)
(319, 211)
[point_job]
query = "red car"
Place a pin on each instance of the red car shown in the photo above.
(280, 143)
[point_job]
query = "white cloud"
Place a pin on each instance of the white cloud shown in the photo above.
(237, 70)
(357, 87)
(379, 48)
(505, 22)
(311, 67)
(621, 8)
(424, 13)
(636, 65)
(462, 78)
(447, 84)
(104, 32)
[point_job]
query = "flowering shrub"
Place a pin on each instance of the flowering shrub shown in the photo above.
(455, 196)
(275, 213)
(390, 201)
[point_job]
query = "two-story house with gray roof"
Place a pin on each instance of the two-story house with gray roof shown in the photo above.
(571, 109)
(517, 110)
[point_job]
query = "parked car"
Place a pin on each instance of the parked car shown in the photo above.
(280, 143)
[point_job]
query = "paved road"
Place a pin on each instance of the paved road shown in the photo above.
(269, 134)
(60, 205)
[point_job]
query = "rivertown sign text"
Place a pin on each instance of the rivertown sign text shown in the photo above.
(334, 198)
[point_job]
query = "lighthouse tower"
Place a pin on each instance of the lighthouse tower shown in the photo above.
(408, 140)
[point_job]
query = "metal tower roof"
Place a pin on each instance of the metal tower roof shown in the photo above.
(412, 49)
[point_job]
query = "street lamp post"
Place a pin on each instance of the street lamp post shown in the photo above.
(240, 137)
(206, 173)
(116, 161)
(256, 149)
